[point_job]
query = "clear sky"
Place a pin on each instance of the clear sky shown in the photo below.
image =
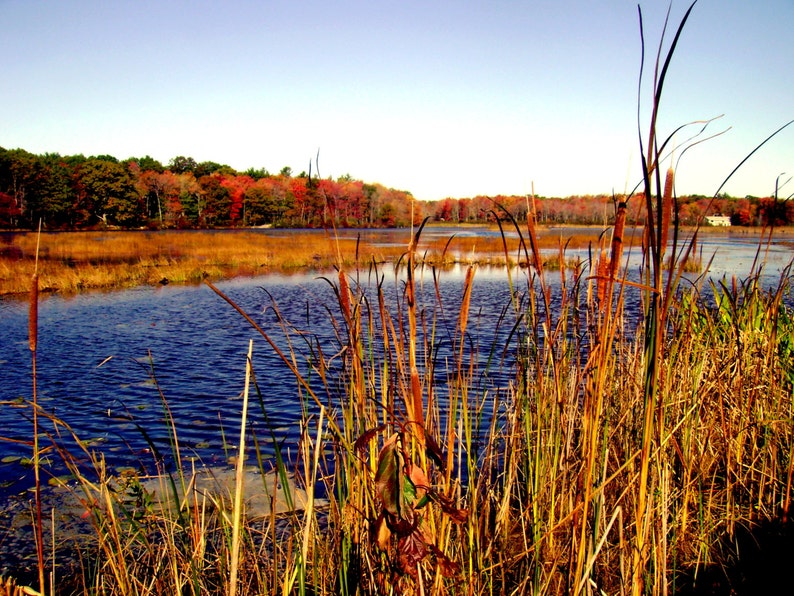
(441, 98)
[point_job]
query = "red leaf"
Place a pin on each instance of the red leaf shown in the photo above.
(412, 549)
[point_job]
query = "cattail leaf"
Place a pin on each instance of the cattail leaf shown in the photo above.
(667, 209)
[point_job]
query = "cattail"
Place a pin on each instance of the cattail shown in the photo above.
(416, 411)
(33, 313)
(602, 275)
(464, 307)
(344, 296)
(617, 240)
(667, 208)
(533, 238)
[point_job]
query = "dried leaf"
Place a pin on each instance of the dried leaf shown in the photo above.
(363, 441)
(419, 480)
(381, 532)
(395, 490)
(433, 451)
(402, 526)
(447, 506)
(412, 549)
(459, 516)
(447, 567)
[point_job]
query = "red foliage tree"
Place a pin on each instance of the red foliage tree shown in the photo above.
(299, 214)
(236, 186)
(9, 211)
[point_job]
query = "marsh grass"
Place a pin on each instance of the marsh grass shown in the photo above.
(78, 261)
(71, 262)
(451, 486)
(622, 454)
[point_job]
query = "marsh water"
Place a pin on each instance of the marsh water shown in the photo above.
(108, 362)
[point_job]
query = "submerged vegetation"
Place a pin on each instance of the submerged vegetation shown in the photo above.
(624, 454)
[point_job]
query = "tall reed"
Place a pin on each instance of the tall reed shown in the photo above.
(33, 335)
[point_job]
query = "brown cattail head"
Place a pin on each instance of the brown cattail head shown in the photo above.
(667, 208)
(537, 262)
(617, 240)
(465, 304)
(33, 313)
(602, 275)
(344, 296)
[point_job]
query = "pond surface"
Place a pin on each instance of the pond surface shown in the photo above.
(100, 353)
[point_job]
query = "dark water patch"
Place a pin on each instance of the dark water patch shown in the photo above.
(754, 560)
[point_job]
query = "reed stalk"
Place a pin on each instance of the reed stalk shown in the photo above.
(654, 316)
(33, 335)
(239, 485)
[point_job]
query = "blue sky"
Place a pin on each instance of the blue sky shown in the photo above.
(447, 98)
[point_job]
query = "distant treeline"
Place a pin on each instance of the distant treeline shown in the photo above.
(600, 209)
(77, 192)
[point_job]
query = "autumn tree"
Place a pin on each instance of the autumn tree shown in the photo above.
(298, 197)
(145, 163)
(191, 200)
(9, 211)
(161, 192)
(19, 172)
(216, 207)
(257, 173)
(73, 191)
(105, 191)
(181, 164)
(205, 168)
(446, 210)
(355, 206)
(743, 213)
(236, 187)
(775, 212)
(53, 192)
(267, 201)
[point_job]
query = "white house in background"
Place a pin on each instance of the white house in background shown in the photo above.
(718, 220)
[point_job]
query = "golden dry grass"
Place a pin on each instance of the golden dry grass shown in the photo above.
(71, 262)
(77, 261)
